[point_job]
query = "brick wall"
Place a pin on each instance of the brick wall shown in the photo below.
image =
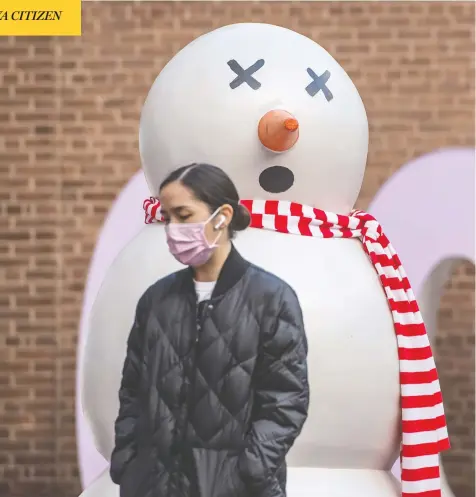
(68, 142)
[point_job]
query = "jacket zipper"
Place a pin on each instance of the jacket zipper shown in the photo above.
(193, 370)
(199, 319)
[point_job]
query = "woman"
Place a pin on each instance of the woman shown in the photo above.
(214, 389)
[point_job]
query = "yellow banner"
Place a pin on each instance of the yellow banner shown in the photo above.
(40, 18)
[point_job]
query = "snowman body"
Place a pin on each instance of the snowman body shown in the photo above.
(351, 437)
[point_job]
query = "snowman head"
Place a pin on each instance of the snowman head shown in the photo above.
(269, 106)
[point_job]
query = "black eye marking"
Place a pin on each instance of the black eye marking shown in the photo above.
(319, 84)
(245, 75)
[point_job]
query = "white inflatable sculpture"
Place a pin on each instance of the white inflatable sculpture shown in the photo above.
(206, 105)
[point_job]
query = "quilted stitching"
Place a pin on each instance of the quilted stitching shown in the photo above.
(250, 358)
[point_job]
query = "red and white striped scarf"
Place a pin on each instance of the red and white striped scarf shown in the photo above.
(424, 430)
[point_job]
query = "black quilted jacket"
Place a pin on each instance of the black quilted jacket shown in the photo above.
(214, 395)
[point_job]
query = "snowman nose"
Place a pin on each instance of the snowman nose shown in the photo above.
(278, 130)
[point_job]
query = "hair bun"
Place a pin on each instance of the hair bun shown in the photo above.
(241, 218)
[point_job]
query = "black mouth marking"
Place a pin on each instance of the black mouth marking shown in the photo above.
(276, 179)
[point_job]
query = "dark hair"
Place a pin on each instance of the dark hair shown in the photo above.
(213, 186)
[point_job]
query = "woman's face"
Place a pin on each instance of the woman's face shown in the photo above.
(179, 205)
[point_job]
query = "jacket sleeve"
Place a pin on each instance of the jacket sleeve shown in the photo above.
(125, 425)
(281, 393)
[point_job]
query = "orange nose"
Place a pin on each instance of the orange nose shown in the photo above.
(278, 130)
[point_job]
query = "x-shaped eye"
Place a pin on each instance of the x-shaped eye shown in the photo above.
(319, 84)
(245, 75)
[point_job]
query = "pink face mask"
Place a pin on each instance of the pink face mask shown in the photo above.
(187, 241)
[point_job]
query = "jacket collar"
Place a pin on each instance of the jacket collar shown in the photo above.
(231, 272)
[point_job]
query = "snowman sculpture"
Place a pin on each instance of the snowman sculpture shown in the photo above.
(283, 119)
